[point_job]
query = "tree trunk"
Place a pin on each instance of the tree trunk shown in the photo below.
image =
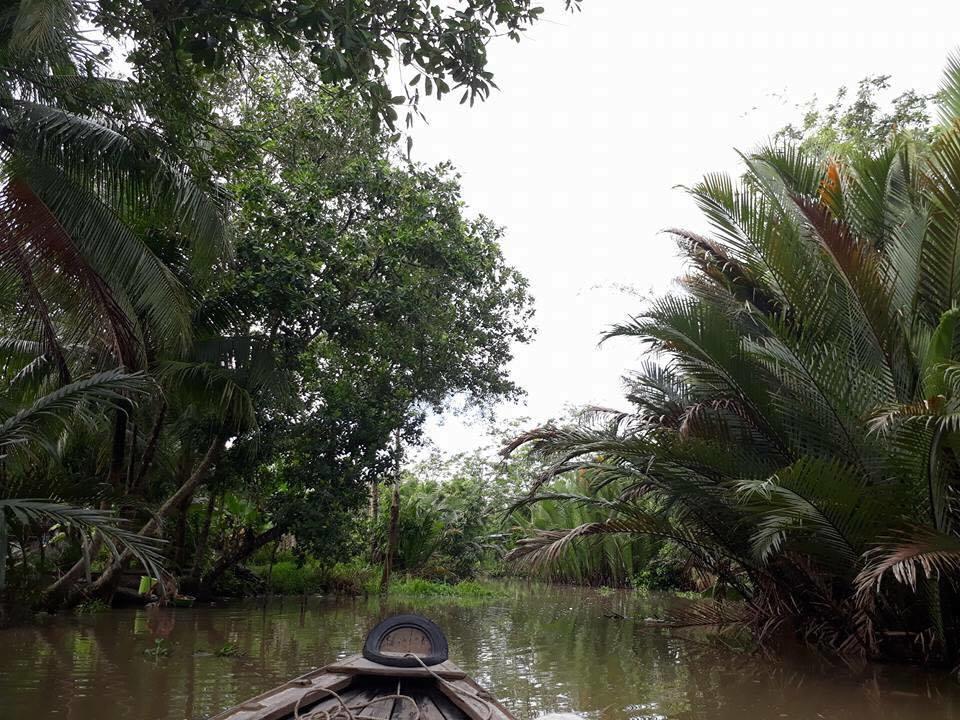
(106, 582)
(133, 457)
(68, 581)
(118, 450)
(180, 535)
(151, 449)
(394, 531)
(248, 546)
(374, 517)
(188, 488)
(3, 552)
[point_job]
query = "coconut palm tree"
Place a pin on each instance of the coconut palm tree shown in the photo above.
(37, 430)
(104, 232)
(99, 224)
(796, 427)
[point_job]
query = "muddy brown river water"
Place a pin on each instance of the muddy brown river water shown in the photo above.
(537, 648)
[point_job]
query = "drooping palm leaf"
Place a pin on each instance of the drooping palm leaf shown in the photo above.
(37, 427)
(87, 521)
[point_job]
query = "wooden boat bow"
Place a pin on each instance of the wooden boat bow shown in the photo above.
(404, 673)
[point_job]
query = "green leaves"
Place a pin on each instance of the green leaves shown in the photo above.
(821, 508)
(797, 427)
(940, 352)
(950, 91)
(36, 428)
(89, 522)
(349, 44)
(33, 431)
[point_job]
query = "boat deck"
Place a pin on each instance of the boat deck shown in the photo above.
(369, 691)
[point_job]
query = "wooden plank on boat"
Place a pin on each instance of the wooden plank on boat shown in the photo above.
(461, 692)
(429, 709)
(277, 703)
(379, 707)
(367, 693)
(449, 710)
(359, 665)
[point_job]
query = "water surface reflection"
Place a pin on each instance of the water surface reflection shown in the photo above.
(537, 648)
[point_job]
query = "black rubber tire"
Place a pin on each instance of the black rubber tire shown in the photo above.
(438, 641)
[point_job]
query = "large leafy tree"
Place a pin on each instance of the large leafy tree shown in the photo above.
(178, 46)
(795, 429)
(378, 294)
(120, 126)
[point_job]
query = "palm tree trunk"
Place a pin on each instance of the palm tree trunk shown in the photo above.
(131, 465)
(118, 450)
(374, 516)
(203, 540)
(151, 449)
(180, 536)
(3, 551)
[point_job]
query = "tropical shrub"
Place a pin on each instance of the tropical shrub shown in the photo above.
(796, 428)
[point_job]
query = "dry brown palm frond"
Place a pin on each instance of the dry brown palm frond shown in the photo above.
(29, 224)
(921, 551)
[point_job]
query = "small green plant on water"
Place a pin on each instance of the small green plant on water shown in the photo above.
(90, 607)
(604, 591)
(229, 650)
(160, 649)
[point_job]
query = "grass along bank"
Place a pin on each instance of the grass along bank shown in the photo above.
(287, 577)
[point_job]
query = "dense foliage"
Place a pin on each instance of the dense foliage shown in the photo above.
(226, 297)
(795, 430)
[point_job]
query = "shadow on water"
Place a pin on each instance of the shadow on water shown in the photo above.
(538, 648)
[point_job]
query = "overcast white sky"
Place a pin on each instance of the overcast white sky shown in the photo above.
(602, 113)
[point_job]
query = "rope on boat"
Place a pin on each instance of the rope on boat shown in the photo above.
(321, 714)
(355, 712)
(481, 697)
(348, 712)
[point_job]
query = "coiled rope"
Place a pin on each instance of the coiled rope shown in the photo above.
(349, 712)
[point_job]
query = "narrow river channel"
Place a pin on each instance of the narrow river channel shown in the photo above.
(537, 648)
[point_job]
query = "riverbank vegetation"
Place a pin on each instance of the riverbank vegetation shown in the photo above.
(794, 431)
(228, 297)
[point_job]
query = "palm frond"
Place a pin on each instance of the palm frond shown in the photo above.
(950, 91)
(918, 552)
(39, 426)
(87, 521)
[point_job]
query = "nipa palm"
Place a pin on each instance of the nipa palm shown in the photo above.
(796, 427)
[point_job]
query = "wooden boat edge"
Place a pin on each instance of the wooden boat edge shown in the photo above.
(290, 692)
(280, 701)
